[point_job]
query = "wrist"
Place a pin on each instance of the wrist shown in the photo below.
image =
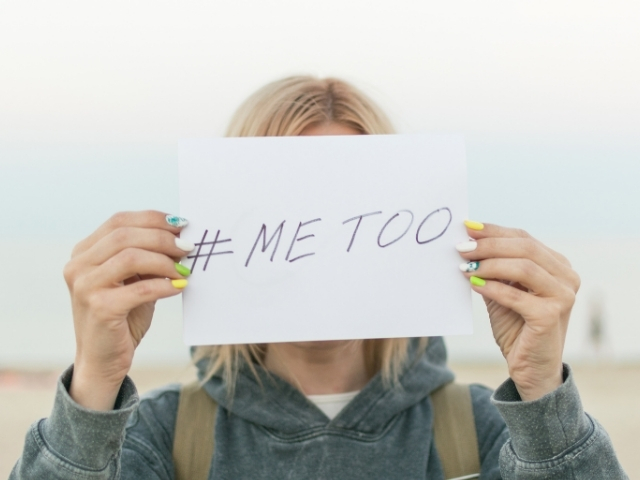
(94, 391)
(533, 387)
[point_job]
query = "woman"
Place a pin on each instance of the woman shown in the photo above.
(339, 409)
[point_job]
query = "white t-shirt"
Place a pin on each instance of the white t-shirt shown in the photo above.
(332, 403)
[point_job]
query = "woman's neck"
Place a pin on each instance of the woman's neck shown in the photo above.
(318, 368)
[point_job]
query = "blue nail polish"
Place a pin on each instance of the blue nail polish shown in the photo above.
(176, 221)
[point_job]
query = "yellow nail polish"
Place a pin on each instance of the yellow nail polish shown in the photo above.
(179, 284)
(477, 281)
(473, 225)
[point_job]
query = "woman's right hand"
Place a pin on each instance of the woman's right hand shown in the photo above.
(115, 277)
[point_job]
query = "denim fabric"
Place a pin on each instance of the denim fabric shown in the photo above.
(269, 430)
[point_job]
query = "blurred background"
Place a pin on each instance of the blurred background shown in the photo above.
(94, 97)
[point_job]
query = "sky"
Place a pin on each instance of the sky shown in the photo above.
(143, 71)
(94, 97)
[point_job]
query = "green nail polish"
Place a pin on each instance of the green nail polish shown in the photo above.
(477, 281)
(182, 270)
(176, 221)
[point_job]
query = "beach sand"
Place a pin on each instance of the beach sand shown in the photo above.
(609, 393)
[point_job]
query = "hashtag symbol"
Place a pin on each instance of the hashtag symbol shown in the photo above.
(208, 256)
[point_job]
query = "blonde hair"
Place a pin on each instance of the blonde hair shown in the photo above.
(286, 108)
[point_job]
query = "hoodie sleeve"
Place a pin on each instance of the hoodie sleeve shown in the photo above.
(77, 443)
(552, 437)
(491, 430)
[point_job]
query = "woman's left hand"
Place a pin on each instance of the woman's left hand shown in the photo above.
(529, 290)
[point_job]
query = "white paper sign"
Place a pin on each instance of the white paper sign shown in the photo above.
(324, 238)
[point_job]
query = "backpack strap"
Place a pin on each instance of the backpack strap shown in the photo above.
(193, 441)
(454, 431)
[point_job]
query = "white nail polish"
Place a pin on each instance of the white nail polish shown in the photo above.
(469, 267)
(184, 245)
(465, 247)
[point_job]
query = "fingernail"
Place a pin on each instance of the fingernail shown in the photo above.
(179, 284)
(182, 270)
(184, 245)
(469, 246)
(469, 267)
(176, 221)
(477, 281)
(474, 225)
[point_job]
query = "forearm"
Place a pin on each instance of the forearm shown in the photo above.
(553, 438)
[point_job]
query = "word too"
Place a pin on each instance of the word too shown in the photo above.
(262, 244)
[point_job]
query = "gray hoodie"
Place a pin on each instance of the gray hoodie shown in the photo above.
(272, 431)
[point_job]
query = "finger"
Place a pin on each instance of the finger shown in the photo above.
(478, 230)
(513, 247)
(131, 296)
(509, 297)
(142, 219)
(540, 314)
(134, 279)
(519, 271)
(152, 239)
(147, 277)
(129, 263)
